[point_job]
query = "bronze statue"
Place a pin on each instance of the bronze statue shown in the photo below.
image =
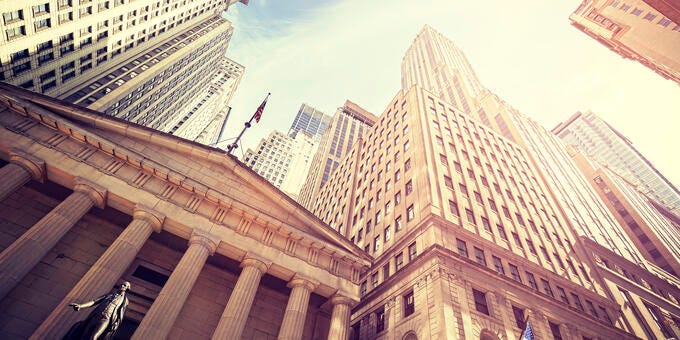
(103, 321)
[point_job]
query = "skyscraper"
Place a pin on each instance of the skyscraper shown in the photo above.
(89, 54)
(461, 226)
(204, 118)
(476, 216)
(635, 30)
(310, 120)
(283, 160)
(599, 140)
(347, 126)
(435, 63)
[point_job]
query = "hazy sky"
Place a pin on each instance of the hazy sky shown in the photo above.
(324, 52)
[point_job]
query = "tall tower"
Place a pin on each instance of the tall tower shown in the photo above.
(347, 126)
(135, 60)
(203, 119)
(309, 120)
(436, 64)
(599, 140)
(635, 30)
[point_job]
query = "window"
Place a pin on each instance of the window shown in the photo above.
(636, 12)
(409, 187)
(375, 279)
(555, 330)
(562, 294)
(397, 224)
(649, 17)
(470, 216)
(409, 304)
(397, 198)
(514, 272)
(453, 207)
(486, 224)
(15, 32)
(407, 165)
(362, 289)
(42, 23)
(479, 256)
(386, 271)
(41, 9)
(448, 182)
(399, 261)
(480, 301)
(605, 315)
(13, 16)
(380, 319)
(376, 243)
(531, 280)
(498, 265)
(462, 248)
(546, 288)
(501, 232)
(410, 214)
(492, 205)
(21, 68)
(577, 301)
(412, 251)
(388, 233)
(519, 317)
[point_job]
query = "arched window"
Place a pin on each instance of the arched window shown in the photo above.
(410, 336)
(487, 335)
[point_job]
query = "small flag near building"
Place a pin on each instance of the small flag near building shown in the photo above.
(528, 333)
(260, 109)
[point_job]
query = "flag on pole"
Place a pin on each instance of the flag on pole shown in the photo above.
(260, 109)
(528, 333)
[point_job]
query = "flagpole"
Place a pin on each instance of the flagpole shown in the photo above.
(234, 145)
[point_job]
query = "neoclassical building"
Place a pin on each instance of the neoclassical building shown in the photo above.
(212, 250)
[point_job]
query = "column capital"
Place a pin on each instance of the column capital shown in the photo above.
(338, 299)
(94, 191)
(300, 281)
(207, 240)
(255, 261)
(155, 218)
(32, 164)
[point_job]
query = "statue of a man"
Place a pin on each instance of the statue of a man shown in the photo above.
(104, 320)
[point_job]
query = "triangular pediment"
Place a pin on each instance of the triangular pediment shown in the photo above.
(196, 166)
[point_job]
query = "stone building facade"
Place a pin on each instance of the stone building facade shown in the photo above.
(211, 249)
(462, 229)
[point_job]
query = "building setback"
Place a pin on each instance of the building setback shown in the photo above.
(211, 249)
(140, 61)
(635, 30)
(600, 141)
(348, 125)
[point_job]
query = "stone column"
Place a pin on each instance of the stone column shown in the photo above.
(19, 171)
(160, 318)
(296, 311)
(235, 314)
(104, 273)
(22, 255)
(339, 329)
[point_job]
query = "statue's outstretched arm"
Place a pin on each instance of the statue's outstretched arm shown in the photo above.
(78, 306)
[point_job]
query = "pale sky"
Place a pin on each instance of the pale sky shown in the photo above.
(324, 52)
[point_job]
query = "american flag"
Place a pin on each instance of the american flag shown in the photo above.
(260, 109)
(528, 333)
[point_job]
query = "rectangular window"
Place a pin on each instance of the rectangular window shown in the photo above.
(498, 265)
(362, 289)
(453, 207)
(470, 216)
(486, 224)
(555, 330)
(409, 187)
(562, 294)
(386, 271)
(531, 280)
(480, 301)
(518, 313)
(410, 213)
(13, 16)
(514, 272)
(409, 304)
(546, 288)
(388, 233)
(479, 256)
(577, 301)
(399, 261)
(412, 251)
(397, 224)
(501, 232)
(462, 248)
